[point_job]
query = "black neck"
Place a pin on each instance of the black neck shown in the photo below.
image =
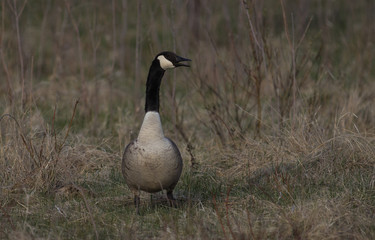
(155, 75)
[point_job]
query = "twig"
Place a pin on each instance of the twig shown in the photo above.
(285, 23)
(293, 51)
(80, 57)
(115, 52)
(28, 144)
(17, 13)
(8, 217)
(250, 225)
(31, 80)
(123, 33)
(218, 216)
(70, 125)
(137, 53)
(227, 214)
(260, 59)
(53, 127)
(189, 146)
(304, 33)
(12, 117)
(173, 32)
(5, 67)
(88, 210)
(42, 38)
(244, 2)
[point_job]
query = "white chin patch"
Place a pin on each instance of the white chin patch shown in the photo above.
(165, 63)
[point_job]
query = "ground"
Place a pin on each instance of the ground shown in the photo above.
(274, 118)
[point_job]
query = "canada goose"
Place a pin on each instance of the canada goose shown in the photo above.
(152, 162)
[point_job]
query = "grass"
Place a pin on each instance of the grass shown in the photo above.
(274, 119)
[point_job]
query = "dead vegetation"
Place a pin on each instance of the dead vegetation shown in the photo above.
(275, 118)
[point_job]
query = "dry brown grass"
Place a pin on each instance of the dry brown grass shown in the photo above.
(275, 118)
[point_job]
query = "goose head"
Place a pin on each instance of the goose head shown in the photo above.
(168, 60)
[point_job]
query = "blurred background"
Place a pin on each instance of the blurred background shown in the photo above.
(260, 60)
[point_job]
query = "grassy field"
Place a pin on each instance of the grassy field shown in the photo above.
(275, 119)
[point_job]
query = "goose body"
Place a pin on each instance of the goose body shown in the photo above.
(152, 162)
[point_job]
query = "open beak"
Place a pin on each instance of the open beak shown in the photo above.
(180, 60)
